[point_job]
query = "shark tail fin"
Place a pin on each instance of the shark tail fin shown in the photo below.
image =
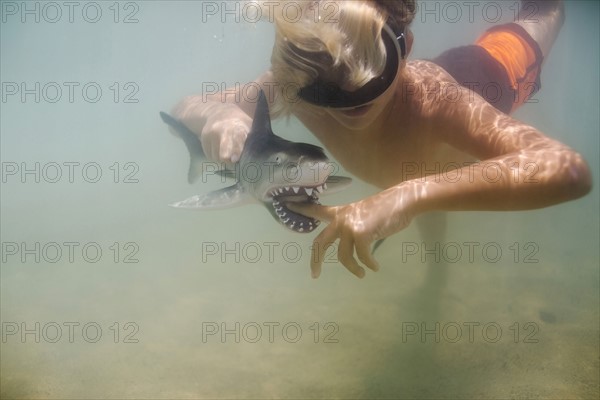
(196, 168)
(192, 142)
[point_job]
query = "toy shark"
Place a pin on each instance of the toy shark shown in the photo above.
(271, 171)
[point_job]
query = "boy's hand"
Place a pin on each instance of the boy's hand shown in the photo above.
(224, 135)
(357, 225)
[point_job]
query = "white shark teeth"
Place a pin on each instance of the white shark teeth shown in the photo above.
(289, 190)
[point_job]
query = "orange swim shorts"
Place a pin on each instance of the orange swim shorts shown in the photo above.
(520, 55)
(503, 66)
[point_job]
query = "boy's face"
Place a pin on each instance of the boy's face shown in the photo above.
(357, 109)
(361, 117)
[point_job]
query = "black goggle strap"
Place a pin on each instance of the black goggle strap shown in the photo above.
(402, 41)
(331, 95)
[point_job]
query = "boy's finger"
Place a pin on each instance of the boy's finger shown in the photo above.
(317, 211)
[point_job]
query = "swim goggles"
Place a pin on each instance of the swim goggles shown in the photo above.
(329, 94)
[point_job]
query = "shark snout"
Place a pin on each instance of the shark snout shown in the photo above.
(313, 173)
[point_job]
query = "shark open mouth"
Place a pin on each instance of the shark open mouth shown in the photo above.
(297, 194)
(261, 148)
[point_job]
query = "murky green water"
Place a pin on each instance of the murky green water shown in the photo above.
(108, 293)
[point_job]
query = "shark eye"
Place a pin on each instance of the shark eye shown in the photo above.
(278, 159)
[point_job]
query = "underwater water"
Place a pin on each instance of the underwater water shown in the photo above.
(106, 292)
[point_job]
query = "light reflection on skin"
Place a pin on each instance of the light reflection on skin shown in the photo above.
(471, 125)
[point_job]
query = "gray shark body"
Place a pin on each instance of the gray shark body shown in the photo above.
(271, 171)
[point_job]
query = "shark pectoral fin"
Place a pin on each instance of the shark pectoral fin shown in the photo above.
(192, 142)
(226, 173)
(337, 183)
(231, 196)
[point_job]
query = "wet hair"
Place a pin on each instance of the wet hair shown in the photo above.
(335, 40)
(399, 13)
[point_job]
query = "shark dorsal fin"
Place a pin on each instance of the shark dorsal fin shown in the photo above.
(262, 120)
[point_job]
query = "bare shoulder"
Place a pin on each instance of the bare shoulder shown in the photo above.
(461, 117)
(433, 92)
(426, 71)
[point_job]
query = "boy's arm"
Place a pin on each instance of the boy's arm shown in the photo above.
(521, 169)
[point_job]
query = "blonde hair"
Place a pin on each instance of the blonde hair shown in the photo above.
(338, 41)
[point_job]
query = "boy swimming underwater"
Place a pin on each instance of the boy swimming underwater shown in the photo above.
(391, 122)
